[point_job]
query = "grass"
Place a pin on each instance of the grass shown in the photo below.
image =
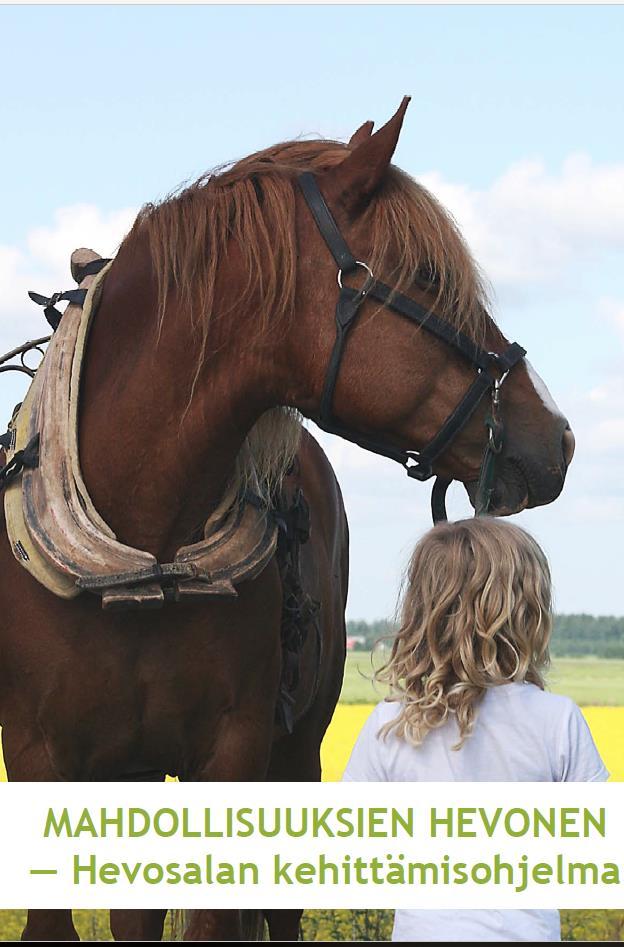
(593, 682)
(589, 681)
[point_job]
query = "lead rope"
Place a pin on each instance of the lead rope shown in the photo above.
(485, 486)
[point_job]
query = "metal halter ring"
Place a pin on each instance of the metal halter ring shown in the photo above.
(365, 266)
(498, 381)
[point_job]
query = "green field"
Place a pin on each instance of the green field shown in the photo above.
(588, 681)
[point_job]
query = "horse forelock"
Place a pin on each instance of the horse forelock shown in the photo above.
(252, 202)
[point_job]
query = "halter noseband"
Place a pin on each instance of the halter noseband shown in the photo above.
(418, 463)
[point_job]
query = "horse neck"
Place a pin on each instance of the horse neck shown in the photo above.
(153, 471)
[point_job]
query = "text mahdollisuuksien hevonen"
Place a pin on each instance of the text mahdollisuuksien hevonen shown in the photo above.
(329, 822)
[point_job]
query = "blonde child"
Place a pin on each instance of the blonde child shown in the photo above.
(467, 699)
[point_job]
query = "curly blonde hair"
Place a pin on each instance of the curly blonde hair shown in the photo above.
(476, 612)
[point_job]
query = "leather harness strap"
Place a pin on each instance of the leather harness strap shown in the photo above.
(72, 296)
(492, 367)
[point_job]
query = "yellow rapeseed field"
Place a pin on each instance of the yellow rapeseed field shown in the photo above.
(606, 724)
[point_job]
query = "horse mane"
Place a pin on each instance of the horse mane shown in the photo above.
(252, 203)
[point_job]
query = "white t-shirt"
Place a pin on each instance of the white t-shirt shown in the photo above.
(521, 734)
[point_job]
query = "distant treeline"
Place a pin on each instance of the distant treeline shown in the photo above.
(574, 636)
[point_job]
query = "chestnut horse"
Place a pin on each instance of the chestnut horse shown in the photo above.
(215, 326)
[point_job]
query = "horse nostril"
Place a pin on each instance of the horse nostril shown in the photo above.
(568, 446)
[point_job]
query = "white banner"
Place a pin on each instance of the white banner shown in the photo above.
(310, 845)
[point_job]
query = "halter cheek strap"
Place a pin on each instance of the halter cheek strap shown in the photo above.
(492, 367)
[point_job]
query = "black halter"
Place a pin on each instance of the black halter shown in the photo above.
(417, 463)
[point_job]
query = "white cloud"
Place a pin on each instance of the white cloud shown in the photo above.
(608, 435)
(595, 489)
(599, 417)
(82, 225)
(43, 264)
(529, 226)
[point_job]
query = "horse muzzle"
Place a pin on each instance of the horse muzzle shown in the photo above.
(526, 479)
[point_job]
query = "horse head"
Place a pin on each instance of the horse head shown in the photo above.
(398, 383)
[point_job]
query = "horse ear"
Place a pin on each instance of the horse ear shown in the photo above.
(362, 134)
(355, 180)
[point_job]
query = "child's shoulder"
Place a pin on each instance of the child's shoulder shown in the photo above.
(504, 704)
(385, 710)
(533, 698)
(382, 713)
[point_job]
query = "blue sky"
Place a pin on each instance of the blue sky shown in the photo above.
(516, 123)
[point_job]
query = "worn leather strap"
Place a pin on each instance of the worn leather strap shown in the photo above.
(326, 223)
(72, 296)
(458, 418)
(349, 302)
(28, 456)
(412, 310)
(82, 270)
